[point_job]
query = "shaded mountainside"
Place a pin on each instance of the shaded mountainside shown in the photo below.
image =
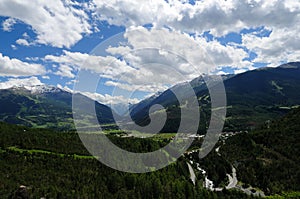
(268, 158)
(260, 95)
(50, 108)
(253, 98)
(167, 98)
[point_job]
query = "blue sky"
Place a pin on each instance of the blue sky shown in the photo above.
(158, 43)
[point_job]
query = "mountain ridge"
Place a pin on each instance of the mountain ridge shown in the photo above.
(252, 97)
(46, 107)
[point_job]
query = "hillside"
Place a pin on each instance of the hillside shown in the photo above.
(260, 95)
(253, 98)
(45, 107)
(263, 162)
(268, 158)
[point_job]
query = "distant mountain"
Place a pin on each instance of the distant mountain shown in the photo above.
(253, 97)
(45, 107)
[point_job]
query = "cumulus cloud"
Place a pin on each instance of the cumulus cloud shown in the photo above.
(22, 42)
(135, 77)
(109, 99)
(14, 47)
(8, 24)
(63, 23)
(17, 82)
(175, 48)
(45, 77)
(152, 88)
(14, 67)
(57, 23)
(203, 54)
(218, 17)
(167, 57)
(65, 71)
(280, 46)
(151, 60)
(25, 40)
(107, 66)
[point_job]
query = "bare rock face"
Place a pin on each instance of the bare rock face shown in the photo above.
(21, 193)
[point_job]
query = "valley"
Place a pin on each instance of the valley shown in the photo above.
(256, 156)
(155, 99)
(231, 154)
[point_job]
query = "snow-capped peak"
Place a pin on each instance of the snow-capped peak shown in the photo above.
(38, 89)
(33, 85)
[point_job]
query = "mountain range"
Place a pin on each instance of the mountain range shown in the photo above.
(253, 98)
(262, 160)
(46, 107)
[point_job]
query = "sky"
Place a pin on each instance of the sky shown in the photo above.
(121, 51)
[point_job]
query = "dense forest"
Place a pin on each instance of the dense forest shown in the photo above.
(268, 158)
(56, 165)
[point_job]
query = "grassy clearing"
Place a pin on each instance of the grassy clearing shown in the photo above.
(32, 151)
(285, 195)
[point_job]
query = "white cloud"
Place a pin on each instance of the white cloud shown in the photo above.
(8, 24)
(16, 82)
(180, 56)
(110, 100)
(108, 66)
(65, 71)
(217, 16)
(45, 77)
(222, 73)
(22, 42)
(238, 71)
(25, 35)
(14, 47)
(25, 40)
(63, 23)
(153, 59)
(136, 78)
(144, 88)
(32, 59)
(15, 67)
(281, 45)
(57, 23)
(71, 82)
(103, 99)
